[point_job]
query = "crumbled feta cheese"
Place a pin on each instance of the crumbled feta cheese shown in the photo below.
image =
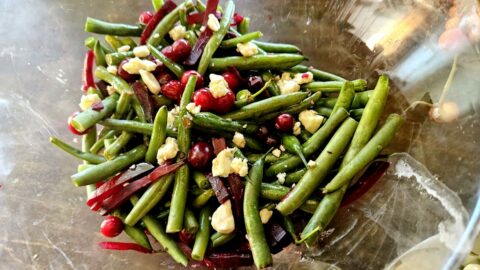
(276, 152)
(202, 28)
(134, 65)
(111, 90)
(302, 78)
(288, 86)
(282, 148)
(265, 215)
(193, 109)
(239, 140)
(213, 23)
(88, 100)
(221, 165)
(218, 86)
(168, 150)
(222, 219)
(247, 49)
(172, 115)
(297, 128)
(178, 32)
(157, 35)
(124, 48)
(311, 120)
(311, 164)
(141, 51)
(112, 70)
(281, 177)
(151, 82)
(239, 166)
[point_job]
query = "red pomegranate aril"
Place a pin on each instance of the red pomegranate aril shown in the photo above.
(224, 104)
(178, 51)
(145, 17)
(173, 90)
(71, 128)
(123, 73)
(164, 78)
(204, 98)
(255, 83)
(284, 122)
(232, 80)
(111, 226)
(186, 75)
(168, 52)
(200, 154)
(262, 133)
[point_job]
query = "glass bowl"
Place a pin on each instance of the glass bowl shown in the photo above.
(424, 212)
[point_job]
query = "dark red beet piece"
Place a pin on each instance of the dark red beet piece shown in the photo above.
(237, 18)
(186, 237)
(219, 144)
(123, 73)
(219, 188)
(87, 74)
(124, 246)
(97, 106)
(277, 237)
(167, 7)
(141, 91)
(236, 189)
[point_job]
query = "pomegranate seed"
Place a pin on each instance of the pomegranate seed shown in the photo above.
(255, 83)
(262, 133)
(71, 128)
(173, 90)
(284, 122)
(225, 104)
(145, 17)
(187, 75)
(204, 98)
(111, 226)
(232, 80)
(165, 77)
(168, 52)
(181, 49)
(200, 154)
(123, 73)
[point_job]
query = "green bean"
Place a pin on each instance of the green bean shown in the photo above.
(216, 38)
(159, 134)
(129, 41)
(296, 108)
(203, 198)
(305, 135)
(195, 190)
(90, 43)
(317, 74)
(109, 142)
(250, 142)
(273, 88)
(116, 29)
(203, 235)
(180, 189)
(294, 177)
(333, 86)
(366, 154)
(355, 114)
(200, 7)
(256, 62)
(88, 140)
(158, 232)
(98, 145)
(201, 180)
(136, 234)
(244, 26)
(345, 97)
(270, 158)
(174, 67)
(163, 215)
(118, 83)
(167, 23)
(160, 100)
(138, 108)
(115, 58)
(157, 4)
(89, 157)
(114, 149)
(212, 121)
(359, 100)
(292, 145)
(271, 47)
(219, 239)
(253, 224)
(190, 222)
(191, 37)
(99, 54)
(268, 105)
(290, 228)
(324, 111)
(311, 146)
(90, 117)
(108, 168)
(133, 126)
(123, 105)
(113, 41)
(273, 192)
(154, 194)
(232, 43)
(324, 162)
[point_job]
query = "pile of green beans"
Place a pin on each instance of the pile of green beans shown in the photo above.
(295, 173)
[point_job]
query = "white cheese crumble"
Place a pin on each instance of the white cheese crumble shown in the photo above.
(311, 164)
(288, 86)
(311, 120)
(172, 115)
(88, 100)
(265, 215)
(239, 140)
(218, 86)
(239, 166)
(193, 109)
(281, 177)
(152, 83)
(222, 219)
(111, 90)
(112, 70)
(282, 148)
(213, 23)
(302, 78)
(141, 51)
(297, 128)
(178, 32)
(124, 48)
(134, 65)
(168, 150)
(222, 163)
(247, 49)
(277, 152)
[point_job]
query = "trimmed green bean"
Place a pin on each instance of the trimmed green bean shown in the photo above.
(113, 41)
(190, 222)
(118, 83)
(88, 140)
(253, 224)
(359, 100)
(98, 145)
(273, 88)
(273, 192)
(180, 189)
(219, 239)
(115, 58)
(135, 233)
(272, 47)
(167, 23)
(345, 97)
(128, 41)
(256, 62)
(116, 29)
(90, 43)
(99, 54)
(333, 86)
(216, 38)
(292, 145)
(90, 117)
(157, 4)
(244, 26)
(174, 67)
(212, 121)
(203, 198)
(108, 168)
(317, 74)
(138, 108)
(203, 235)
(114, 149)
(295, 176)
(270, 158)
(268, 105)
(201, 180)
(191, 37)
(154, 194)
(232, 43)
(160, 100)
(159, 134)
(324, 111)
(133, 126)
(296, 108)
(305, 135)
(123, 105)
(355, 114)
(89, 157)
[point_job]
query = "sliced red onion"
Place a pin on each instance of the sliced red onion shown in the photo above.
(87, 75)
(124, 246)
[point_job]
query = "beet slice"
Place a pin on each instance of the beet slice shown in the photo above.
(221, 191)
(219, 144)
(124, 246)
(87, 74)
(145, 100)
(167, 7)
(236, 189)
(277, 237)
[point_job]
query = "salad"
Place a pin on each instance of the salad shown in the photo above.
(222, 148)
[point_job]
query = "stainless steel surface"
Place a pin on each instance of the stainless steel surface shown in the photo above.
(45, 224)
